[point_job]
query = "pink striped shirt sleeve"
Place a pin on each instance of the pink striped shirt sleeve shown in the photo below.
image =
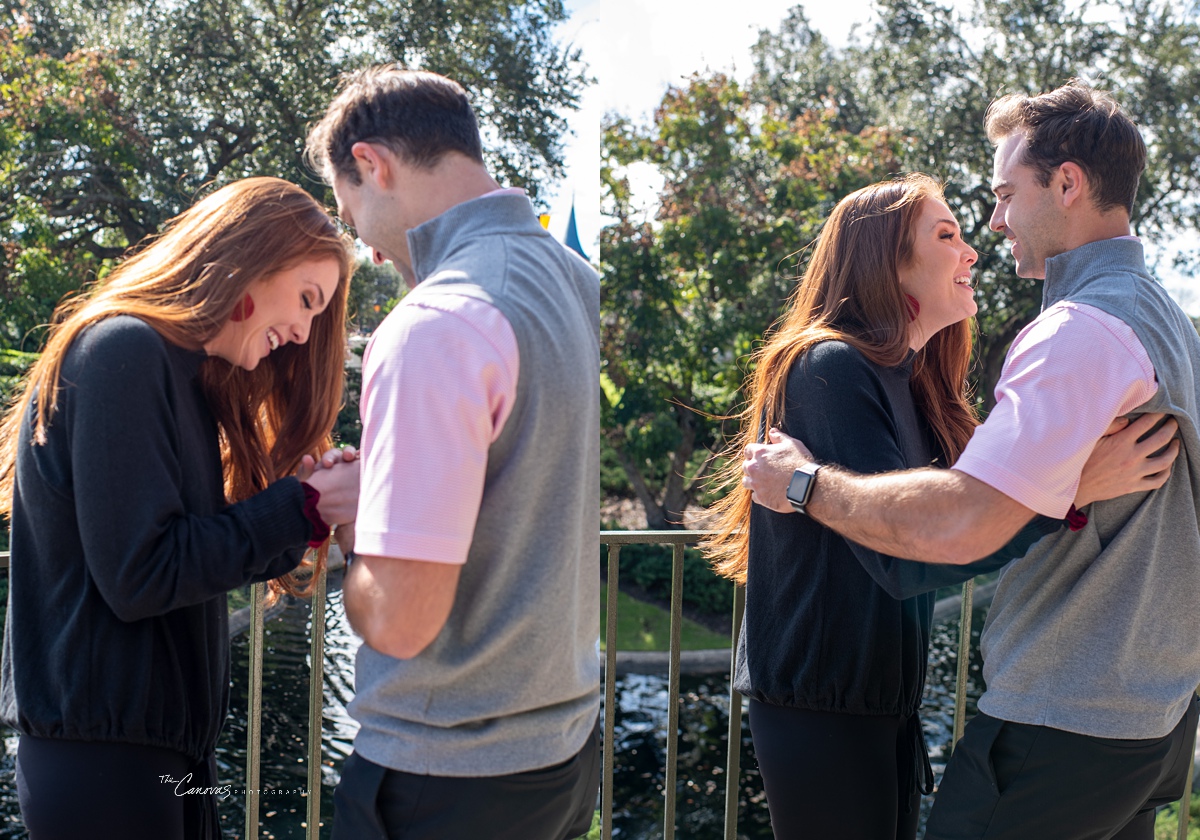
(1068, 375)
(439, 382)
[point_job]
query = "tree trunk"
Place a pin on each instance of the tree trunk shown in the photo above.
(677, 493)
(656, 519)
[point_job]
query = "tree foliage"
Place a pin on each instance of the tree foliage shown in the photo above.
(751, 171)
(374, 292)
(125, 111)
(51, 110)
(683, 299)
(929, 72)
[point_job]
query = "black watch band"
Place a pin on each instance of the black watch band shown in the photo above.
(800, 488)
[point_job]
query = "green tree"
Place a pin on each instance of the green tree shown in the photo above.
(54, 113)
(929, 71)
(749, 173)
(683, 299)
(128, 110)
(374, 291)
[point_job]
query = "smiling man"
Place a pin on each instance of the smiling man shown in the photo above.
(474, 588)
(1092, 645)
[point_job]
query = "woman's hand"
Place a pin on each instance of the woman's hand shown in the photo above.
(309, 464)
(335, 477)
(1123, 462)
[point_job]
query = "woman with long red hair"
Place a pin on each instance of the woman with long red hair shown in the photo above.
(868, 366)
(149, 466)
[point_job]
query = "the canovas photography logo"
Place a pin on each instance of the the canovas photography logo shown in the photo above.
(185, 787)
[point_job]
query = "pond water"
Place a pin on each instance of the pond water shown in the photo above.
(640, 740)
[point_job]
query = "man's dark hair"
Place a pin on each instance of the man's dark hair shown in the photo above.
(420, 116)
(1079, 124)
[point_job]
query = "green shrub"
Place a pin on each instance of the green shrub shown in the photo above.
(1166, 824)
(649, 566)
(13, 365)
(613, 481)
(594, 831)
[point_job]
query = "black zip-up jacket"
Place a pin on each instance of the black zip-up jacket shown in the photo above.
(830, 625)
(123, 549)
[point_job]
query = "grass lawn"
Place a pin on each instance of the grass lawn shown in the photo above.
(642, 626)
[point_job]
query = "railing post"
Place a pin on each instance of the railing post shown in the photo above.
(1185, 804)
(316, 706)
(610, 690)
(964, 661)
(673, 691)
(254, 711)
(733, 764)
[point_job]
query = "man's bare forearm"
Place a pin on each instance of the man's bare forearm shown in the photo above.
(935, 516)
(399, 606)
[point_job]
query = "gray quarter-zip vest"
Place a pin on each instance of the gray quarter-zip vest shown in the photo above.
(512, 681)
(1098, 631)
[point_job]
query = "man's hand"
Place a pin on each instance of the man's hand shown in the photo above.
(767, 469)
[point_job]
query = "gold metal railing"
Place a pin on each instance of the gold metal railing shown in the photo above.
(614, 540)
(316, 707)
(678, 539)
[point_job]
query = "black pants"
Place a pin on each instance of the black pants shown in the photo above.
(836, 775)
(1013, 780)
(555, 803)
(101, 790)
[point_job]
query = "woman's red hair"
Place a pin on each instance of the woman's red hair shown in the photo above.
(850, 292)
(185, 283)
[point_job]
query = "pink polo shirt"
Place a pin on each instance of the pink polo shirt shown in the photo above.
(439, 381)
(1067, 376)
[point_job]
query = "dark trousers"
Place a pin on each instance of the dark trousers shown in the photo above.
(554, 803)
(833, 775)
(1021, 782)
(101, 790)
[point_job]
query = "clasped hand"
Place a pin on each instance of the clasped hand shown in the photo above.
(336, 477)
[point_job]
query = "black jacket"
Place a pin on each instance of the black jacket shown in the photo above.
(829, 625)
(123, 549)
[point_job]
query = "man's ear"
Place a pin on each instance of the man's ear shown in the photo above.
(1071, 183)
(375, 163)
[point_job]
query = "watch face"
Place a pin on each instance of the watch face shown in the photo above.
(799, 488)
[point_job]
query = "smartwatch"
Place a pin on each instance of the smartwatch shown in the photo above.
(800, 488)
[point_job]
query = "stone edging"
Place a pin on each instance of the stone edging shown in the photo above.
(659, 661)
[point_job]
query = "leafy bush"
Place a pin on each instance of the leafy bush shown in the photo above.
(649, 566)
(1166, 825)
(613, 481)
(13, 365)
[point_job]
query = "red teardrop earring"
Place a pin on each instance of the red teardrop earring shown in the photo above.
(914, 306)
(243, 310)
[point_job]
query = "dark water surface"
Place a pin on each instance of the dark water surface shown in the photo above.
(640, 740)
